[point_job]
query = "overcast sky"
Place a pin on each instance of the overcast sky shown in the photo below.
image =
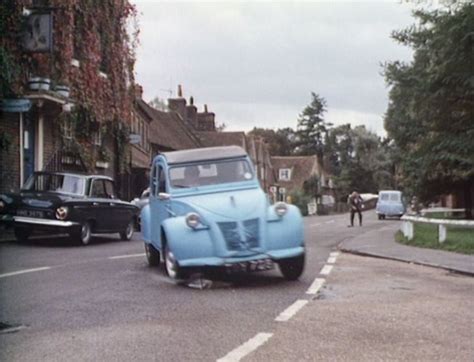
(255, 64)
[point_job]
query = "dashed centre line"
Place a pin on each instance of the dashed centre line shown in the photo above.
(291, 310)
(24, 271)
(126, 256)
(315, 286)
(331, 260)
(246, 348)
(326, 270)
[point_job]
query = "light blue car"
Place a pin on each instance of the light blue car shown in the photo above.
(390, 203)
(207, 212)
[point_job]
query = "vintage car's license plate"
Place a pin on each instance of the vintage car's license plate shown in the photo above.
(31, 213)
(250, 266)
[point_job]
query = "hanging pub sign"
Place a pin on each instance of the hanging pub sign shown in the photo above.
(38, 35)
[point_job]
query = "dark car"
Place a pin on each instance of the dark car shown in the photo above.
(72, 203)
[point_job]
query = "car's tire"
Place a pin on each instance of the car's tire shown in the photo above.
(83, 236)
(22, 234)
(379, 216)
(172, 268)
(152, 255)
(127, 234)
(292, 268)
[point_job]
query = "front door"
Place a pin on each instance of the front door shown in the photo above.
(29, 136)
(159, 208)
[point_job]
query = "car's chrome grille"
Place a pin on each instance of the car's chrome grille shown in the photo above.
(239, 240)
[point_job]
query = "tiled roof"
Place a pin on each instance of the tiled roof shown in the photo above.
(302, 168)
(214, 139)
(169, 131)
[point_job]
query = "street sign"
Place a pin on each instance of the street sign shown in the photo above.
(135, 138)
(282, 190)
(273, 189)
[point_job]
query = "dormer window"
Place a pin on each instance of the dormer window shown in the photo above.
(284, 174)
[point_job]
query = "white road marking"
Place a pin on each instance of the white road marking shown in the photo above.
(248, 347)
(24, 271)
(315, 286)
(291, 310)
(326, 270)
(126, 256)
(335, 254)
(331, 260)
(330, 222)
(314, 225)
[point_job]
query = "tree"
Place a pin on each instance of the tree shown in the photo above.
(159, 104)
(280, 142)
(312, 128)
(431, 102)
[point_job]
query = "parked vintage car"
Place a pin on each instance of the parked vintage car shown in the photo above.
(207, 211)
(63, 202)
(390, 203)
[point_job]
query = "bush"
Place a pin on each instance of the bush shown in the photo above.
(301, 200)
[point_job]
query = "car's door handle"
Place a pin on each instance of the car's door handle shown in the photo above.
(95, 204)
(112, 203)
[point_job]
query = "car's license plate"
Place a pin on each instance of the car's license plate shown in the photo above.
(250, 266)
(31, 213)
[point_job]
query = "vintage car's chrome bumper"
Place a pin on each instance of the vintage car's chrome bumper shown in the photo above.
(43, 222)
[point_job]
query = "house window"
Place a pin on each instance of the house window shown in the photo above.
(68, 129)
(284, 174)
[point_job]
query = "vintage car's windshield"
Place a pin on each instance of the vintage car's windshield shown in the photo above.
(67, 184)
(210, 173)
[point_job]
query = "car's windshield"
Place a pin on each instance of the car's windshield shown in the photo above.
(390, 196)
(66, 184)
(210, 173)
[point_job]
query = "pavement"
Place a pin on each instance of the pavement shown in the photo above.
(381, 244)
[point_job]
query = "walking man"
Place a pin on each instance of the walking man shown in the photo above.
(355, 202)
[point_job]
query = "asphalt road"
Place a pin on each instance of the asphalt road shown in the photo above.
(103, 302)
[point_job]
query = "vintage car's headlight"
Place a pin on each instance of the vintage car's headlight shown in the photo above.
(281, 208)
(193, 220)
(2, 205)
(61, 212)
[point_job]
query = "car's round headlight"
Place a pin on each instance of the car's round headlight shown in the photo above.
(61, 212)
(2, 205)
(193, 220)
(281, 208)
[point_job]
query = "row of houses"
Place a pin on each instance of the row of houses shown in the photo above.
(73, 109)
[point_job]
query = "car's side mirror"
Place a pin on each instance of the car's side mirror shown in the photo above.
(164, 196)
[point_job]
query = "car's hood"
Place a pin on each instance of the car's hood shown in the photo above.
(233, 205)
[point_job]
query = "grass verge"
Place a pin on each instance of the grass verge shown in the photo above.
(459, 240)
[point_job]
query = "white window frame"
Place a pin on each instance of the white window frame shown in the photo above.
(284, 174)
(68, 129)
(97, 137)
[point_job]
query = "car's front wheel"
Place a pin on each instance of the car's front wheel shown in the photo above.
(22, 234)
(152, 255)
(173, 270)
(84, 234)
(292, 268)
(128, 232)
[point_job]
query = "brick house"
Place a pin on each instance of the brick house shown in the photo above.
(73, 75)
(292, 172)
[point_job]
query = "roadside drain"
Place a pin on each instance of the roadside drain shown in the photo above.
(10, 328)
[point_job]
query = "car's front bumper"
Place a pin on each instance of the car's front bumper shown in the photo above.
(274, 255)
(36, 222)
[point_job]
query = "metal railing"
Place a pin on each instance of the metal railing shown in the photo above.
(408, 228)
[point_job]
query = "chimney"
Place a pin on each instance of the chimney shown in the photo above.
(191, 114)
(206, 120)
(178, 104)
(138, 91)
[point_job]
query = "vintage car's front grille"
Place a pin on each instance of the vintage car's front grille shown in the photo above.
(243, 239)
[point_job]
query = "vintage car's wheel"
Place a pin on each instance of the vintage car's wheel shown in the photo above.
(22, 234)
(128, 232)
(292, 268)
(83, 235)
(172, 268)
(152, 255)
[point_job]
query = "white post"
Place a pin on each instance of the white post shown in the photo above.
(442, 233)
(410, 232)
(40, 143)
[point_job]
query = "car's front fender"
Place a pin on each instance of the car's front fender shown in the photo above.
(284, 232)
(187, 243)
